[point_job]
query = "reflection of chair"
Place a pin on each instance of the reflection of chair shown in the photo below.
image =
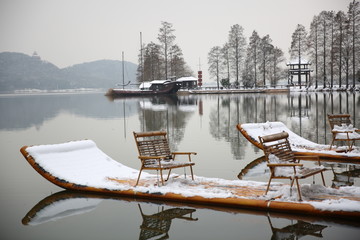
(155, 154)
(158, 224)
(282, 162)
(343, 130)
(347, 176)
(296, 231)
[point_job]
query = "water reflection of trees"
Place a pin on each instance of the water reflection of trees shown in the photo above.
(24, 111)
(166, 113)
(304, 113)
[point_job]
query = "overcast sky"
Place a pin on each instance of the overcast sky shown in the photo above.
(67, 32)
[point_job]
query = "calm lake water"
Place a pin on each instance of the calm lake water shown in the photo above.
(33, 208)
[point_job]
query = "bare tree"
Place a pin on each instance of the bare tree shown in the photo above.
(340, 19)
(331, 18)
(253, 52)
(226, 61)
(237, 43)
(298, 46)
(152, 63)
(313, 43)
(277, 56)
(354, 21)
(166, 39)
(265, 48)
(214, 61)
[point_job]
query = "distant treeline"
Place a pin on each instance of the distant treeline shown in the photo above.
(20, 71)
(331, 44)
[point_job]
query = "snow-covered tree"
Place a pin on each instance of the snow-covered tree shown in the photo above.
(298, 46)
(166, 38)
(237, 44)
(214, 61)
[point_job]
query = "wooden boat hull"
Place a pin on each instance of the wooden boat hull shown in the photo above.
(203, 191)
(307, 149)
(168, 88)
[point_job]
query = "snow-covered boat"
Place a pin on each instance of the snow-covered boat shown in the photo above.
(155, 87)
(300, 145)
(82, 166)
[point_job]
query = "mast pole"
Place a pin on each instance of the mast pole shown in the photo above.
(141, 58)
(123, 75)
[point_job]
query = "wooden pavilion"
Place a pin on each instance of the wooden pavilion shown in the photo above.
(299, 67)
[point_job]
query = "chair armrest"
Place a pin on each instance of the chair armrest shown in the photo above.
(285, 165)
(340, 131)
(307, 157)
(184, 153)
(152, 157)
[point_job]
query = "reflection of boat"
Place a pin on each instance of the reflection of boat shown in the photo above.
(254, 168)
(66, 204)
(82, 166)
(300, 145)
(158, 103)
(156, 87)
(61, 205)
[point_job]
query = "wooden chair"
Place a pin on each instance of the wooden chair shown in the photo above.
(155, 154)
(343, 130)
(282, 162)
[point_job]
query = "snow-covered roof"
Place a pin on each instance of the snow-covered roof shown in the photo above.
(184, 79)
(148, 84)
(159, 81)
(296, 61)
(145, 85)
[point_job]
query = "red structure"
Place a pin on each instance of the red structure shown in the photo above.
(199, 78)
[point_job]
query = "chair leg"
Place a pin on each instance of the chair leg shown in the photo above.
(138, 178)
(192, 173)
(268, 186)
(298, 189)
(332, 143)
(168, 175)
(323, 179)
(161, 176)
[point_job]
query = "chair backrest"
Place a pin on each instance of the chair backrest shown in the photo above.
(338, 119)
(152, 144)
(278, 145)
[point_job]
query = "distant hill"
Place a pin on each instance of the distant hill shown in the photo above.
(20, 71)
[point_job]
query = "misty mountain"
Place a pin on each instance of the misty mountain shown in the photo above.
(20, 71)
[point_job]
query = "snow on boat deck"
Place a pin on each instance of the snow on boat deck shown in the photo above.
(81, 165)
